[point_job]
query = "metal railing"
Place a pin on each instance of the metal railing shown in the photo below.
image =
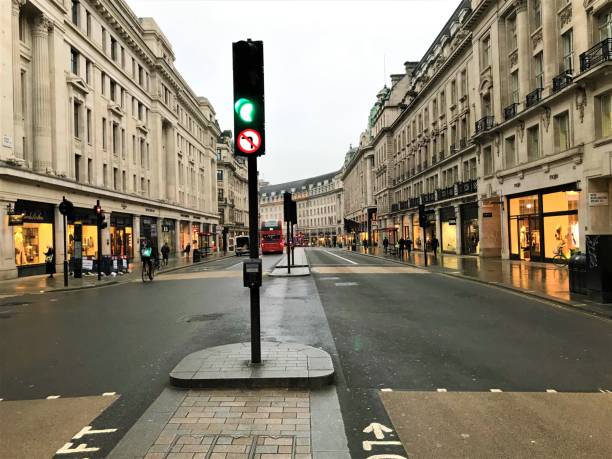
(434, 159)
(462, 143)
(413, 202)
(403, 205)
(428, 197)
(394, 207)
(452, 150)
(562, 80)
(534, 97)
(598, 54)
(510, 111)
(446, 193)
(469, 186)
(484, 124)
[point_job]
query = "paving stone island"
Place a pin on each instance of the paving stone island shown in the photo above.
(283, 365)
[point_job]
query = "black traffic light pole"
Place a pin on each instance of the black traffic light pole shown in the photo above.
(99, 242)
(254, 254)
(65, 255)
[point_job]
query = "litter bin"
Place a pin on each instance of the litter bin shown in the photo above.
(577, 268)
(599, 267)
(197, 256)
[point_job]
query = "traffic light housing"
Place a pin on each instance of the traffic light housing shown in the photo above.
(422, 216)
(249, 107)
(100, 217)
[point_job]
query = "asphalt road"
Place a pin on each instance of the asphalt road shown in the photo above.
(419, 331)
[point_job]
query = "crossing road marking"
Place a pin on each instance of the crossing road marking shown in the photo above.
(233, 266)
(386, 390)
(330, 278)
(87, 430)
(342, 258)
(441, 390)
(345, 284)
(551, 391)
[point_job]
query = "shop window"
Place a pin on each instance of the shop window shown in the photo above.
(561, 233)
(525, 205)
(533, 143)
(31, 242)
(561, 201)
(561, 131)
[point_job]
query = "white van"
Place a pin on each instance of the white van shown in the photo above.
(242, 245)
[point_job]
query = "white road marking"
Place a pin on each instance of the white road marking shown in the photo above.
(87, 430)
(441, 389)
(233, 266)
(386, 456)
(367, 445)
(551, 391)
(109, 394)
(1, 399)
(345, 284)
(53, 299)
(82, 448)
(52, 397)
(496, 390)
(386, 390)
(342, 258)
(330, 278)
(378, 430)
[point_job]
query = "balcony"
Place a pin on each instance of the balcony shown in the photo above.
(441, 155)
(418, 168)
(394, 207)
(597, 55)
(434, 159)
(446, 193)
(427, 198)
(403, 205)
(510, 111)
(533, 98)
(413, 202)
(462, 143)
(562, 81)
(467, 187)
(453, 150)
(484, 124)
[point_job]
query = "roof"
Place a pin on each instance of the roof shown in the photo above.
(297, 184)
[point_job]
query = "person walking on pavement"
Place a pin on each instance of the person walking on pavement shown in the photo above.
(434, 246)
(165, 251)
(385, 244)
(401, 244)
(50, 262)
(187, 250)
(409, 245)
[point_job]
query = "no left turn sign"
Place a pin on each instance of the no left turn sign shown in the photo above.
(249, 141)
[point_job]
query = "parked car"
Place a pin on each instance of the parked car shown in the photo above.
(242, 245)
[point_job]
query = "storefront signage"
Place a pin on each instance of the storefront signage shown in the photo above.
(487, 214)
(7, 141)
(87, 264)
(598, 199)
(148, 209)
(185, 215)
(452, 221)
(15, 220)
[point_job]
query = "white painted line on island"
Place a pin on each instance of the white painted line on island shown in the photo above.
(82, 448)
(386, 390)
(109, 394)
(551, 391)
(53, 397)
(378, 430)
(496, 390)
(345, 284)
(441, 389)
(342, 258)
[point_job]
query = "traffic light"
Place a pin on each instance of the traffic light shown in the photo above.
(422, 216)
(100, 217)
(249, 109)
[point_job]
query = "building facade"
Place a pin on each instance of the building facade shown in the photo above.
(232, 193)
(93, 108)
(320, 208)
(501, 131)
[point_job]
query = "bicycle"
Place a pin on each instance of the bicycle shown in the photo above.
(148, 273)
(559, 257)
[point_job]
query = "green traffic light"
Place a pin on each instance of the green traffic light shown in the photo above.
(245, 109)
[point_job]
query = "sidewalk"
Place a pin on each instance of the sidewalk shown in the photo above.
(298, 268)
(42, 284)
(539, 279)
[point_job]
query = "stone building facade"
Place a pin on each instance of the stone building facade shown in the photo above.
(232, 193)
(320, 208)
(501, 131)
(93, 108)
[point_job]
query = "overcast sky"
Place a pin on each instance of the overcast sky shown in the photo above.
(324, 64)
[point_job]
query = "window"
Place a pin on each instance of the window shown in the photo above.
(442, 103)
(77, 119)
(113, 49)
(464, 83)
(89, 126)
(487, 159)
(510, 152)
(485, 52)
(514, 87)
(538, 66)
(604, 24)
(74, 61)
(115, 138)
(123, 181)
(87, 71)
(533, 142)
(113, 91)
(604, 115)
(77, 167)
(134, 189)
(89, 170)
(75, 12)
(103, 83)
(568, 51)
(561, 128)
(115, 178)
(104, 133)
(218, 154)
(536, 13)
(486, 105)
(104, 40)
(512, 37)
(88, 22)
(453, 92)
(219, 174)
(133, 149)
(105, 174)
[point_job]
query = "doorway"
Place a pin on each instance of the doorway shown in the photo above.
(530, 242)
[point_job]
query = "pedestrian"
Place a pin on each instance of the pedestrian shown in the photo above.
(165, 251)
(409, 245)
(50, 262)
(187, 250)
(401, 244)
(434, 246)
(365, 243)
(385, 244)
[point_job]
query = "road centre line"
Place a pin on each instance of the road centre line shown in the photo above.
(342, 258)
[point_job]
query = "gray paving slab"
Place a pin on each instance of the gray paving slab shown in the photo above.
(283, 365)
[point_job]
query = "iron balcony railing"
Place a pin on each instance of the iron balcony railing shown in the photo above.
(484, 124)
(469, 186)
(413, 202)
(534, 97)
(394, 207)
(510, 111)
(453, 150)
(598, 54)
(441, 155)
(418, 168)
(462, 143)
(434, 159)
(446, 193)
(428, 197)
(403, 205)
(562, 81)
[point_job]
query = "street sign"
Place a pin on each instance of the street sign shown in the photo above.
(249, 141)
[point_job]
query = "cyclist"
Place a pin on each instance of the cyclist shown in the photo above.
(145, 254)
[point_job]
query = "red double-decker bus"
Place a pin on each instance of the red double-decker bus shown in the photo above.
(271, 234)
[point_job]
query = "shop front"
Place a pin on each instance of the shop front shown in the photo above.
(196, 242)
(185, 236)
(448, 227)
(406, 227)
(122, 235)
(33, 234)
(148, 231)
(470, 231)
(430, 228)
(544, 223)
(169, 234)
(86, 219)
(417, 237)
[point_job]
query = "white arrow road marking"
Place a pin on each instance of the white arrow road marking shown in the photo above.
(87, 430)
(378, 430)
(342, 258)
(82, 448)
(367, 445)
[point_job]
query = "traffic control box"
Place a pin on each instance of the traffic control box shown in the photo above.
(252, 272)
